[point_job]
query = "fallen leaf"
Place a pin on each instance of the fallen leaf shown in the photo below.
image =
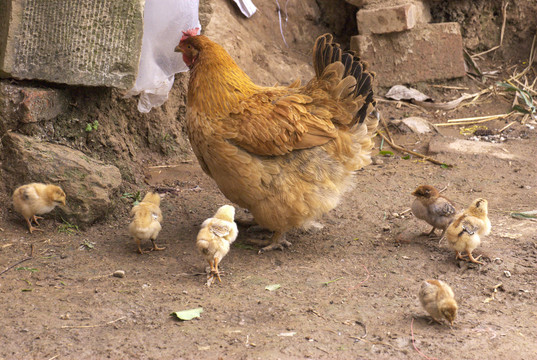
(272, 287)
(292, 333)
(186, 315)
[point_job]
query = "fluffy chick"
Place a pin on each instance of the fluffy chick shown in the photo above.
(146, 222)
(215, 237)
(464, 234)
(437, 299)
(435, 209)
(36, 199)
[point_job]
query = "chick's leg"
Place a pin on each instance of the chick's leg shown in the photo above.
(155, 247)
(216, 268)
(34, 218)
(139, 243)
(472, 259)
(277, 242)
(429, 233)
(31, 228)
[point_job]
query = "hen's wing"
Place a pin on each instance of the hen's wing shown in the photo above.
(276, 121)
(272, 123)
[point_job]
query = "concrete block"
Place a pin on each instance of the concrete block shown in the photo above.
(427, 52)
(386, 20)
(82, 42)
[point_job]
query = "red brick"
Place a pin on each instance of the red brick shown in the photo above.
(427, 52)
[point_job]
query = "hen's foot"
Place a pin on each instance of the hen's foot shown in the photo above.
(245, 223)
(277, 242)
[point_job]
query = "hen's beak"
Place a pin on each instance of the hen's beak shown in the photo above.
(178, 49)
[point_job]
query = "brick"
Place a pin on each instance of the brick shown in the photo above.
(427, 52)
(24, 104)
(386, 20)
(82, 42)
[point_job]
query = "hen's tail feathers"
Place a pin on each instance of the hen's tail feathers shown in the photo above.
(326, 52)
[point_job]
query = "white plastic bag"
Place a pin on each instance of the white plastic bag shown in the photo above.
(164, 21)
(247, 7)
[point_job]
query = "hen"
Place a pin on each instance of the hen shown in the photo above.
(464, 234)
(36, 199)
(435, 209)
(147, 217)
(286, 153)
(215, 237)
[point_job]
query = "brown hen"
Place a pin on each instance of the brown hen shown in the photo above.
(286, 153)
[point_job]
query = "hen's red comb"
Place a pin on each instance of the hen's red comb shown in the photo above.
(189, 33)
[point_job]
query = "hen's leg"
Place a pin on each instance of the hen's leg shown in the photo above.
(277, 242)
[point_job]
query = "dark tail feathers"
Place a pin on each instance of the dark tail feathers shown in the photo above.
(326, 52)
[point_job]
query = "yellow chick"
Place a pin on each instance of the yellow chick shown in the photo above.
(464, 234)
(146, 222)
(437, 299)
(36, 199)
(215, 237)
(435, 209)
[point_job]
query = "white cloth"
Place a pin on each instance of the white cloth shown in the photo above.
(247, 7)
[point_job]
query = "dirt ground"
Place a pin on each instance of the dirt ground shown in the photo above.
(347, 291)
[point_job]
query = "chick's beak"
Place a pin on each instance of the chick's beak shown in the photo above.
(178, 49)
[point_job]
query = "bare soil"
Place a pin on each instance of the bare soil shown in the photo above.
(347, 291)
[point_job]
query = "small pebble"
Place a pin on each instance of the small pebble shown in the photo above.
(507, 273)
(119, 273)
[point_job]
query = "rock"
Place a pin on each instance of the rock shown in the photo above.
(88, 183)
(357, 3)
(100, 45)
(414, 124)
(440, 144)
(427, 52)
(119, 273)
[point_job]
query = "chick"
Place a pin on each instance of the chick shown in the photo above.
(435, 209)
(215, 237)
(36, 199)
(464, 234)
(146, 222)
(437, 299)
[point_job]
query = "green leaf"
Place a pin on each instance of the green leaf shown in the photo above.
(525, 214)
(444, 166)
(88, 127)
(243, 246)
(272, 287)
(406, 157)
(520, 109)
(27, 268)
(187, 315)
(27, 290)
(385, 153)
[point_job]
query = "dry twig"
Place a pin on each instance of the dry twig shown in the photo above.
(424, 157)
(92, 326)
(20, 262)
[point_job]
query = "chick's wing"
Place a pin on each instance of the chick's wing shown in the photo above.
(442, 207)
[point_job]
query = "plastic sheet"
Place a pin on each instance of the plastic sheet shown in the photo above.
(164, 21)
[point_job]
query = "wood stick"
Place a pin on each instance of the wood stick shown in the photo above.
(397, 147)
